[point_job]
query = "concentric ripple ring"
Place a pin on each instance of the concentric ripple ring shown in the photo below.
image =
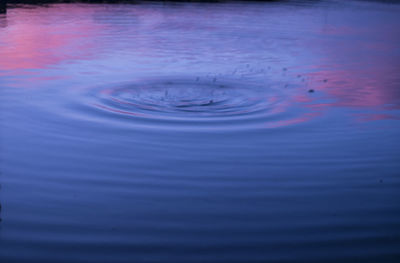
(197, 102)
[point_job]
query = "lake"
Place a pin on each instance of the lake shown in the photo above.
(200, 132)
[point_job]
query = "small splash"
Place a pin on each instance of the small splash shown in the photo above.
(186, 98)
(199, 103)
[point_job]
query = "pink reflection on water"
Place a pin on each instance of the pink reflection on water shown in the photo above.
(348, 66)
(355, 89)
(355, 67)
(42, 41)
(375, 117)
(306, 117)
(352, 89)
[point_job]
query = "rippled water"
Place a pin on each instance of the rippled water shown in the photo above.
(231, 132)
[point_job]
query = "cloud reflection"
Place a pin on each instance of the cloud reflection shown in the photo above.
(41, 41)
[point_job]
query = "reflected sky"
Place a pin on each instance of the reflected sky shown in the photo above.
(46, 38)
(350, 61)
(187, 132)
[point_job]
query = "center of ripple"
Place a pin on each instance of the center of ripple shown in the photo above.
(192, 104)
(176, 99)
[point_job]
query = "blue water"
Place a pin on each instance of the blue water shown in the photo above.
(187, 132)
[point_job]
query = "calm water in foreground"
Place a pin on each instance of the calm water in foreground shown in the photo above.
(190, 133)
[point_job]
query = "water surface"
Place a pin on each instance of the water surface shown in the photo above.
(233, 132)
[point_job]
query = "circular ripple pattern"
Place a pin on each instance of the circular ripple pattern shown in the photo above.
(198, 102)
